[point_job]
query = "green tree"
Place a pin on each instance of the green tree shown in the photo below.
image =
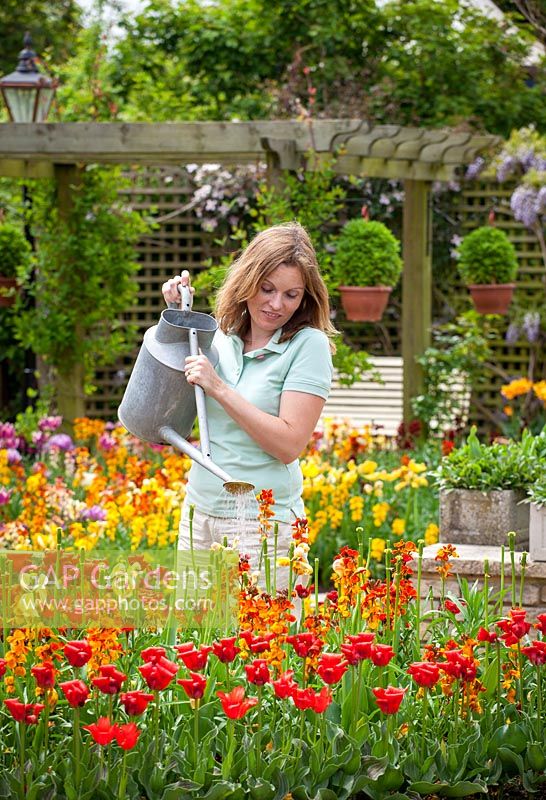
(52, 24)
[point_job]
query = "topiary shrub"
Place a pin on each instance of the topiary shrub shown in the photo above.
(367, 254)
(487, 256)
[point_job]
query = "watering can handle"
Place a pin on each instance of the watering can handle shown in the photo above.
(186, 295)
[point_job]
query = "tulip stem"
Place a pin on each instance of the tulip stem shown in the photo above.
(22, 735)
(196, 729)
(156, 723)
(539, 704)
(424, 704)
(123, 778)
(259, 732)
(226, 763)
(77, 747)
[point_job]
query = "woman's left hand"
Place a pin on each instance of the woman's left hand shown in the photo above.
(199, 370)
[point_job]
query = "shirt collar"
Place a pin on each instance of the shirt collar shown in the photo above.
(272, 346)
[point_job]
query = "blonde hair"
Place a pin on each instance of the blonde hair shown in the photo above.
(287, 244)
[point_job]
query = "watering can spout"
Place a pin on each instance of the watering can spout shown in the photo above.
(177, 441)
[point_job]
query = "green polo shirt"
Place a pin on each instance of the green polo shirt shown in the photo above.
(302, 364)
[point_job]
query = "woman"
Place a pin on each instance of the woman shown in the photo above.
(266, 395)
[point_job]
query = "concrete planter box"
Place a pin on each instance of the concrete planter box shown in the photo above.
(537, 533)
(468, 516)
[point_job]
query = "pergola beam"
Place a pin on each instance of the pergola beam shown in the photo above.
(414, 155)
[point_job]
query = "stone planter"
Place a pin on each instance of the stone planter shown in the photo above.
(468, 516)
(537, 533)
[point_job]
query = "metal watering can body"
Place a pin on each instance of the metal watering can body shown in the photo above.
(159, 405)
(158, 394)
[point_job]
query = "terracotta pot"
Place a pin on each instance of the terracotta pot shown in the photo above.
(364, 303)
(7, 283)
(492, 298)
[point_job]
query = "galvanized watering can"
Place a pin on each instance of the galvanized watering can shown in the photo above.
(159, 405)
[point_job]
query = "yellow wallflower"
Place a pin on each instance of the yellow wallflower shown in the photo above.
(377, 548)
(516, 388)
(398, 526)
(431, 534)
(539, 389)
(379, 513)
(356, 507)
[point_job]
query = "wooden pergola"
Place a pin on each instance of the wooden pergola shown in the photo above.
(413, 155)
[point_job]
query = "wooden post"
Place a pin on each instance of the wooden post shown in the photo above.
(69, 384)
(416, 287)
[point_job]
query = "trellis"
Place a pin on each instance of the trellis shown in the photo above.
(416, 156)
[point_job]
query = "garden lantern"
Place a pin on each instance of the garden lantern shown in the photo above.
(27, 92)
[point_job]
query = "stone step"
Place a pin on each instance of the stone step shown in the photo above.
(470, 565)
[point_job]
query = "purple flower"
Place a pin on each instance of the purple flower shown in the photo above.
(39, 439)
(60, 440)
(474, 169)
(94, 514)
(14, 456)
(512, 333)
(524, 205)
(8, 437)
(106, 442)
(5, 495)
(541, 200)
(506, 168)
(49, 424)
(531, 325)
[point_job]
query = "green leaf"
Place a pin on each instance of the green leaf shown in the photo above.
(460, 789)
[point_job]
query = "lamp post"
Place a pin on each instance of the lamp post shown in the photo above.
(27, 92)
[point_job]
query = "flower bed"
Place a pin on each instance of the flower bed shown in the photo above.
(371, 690)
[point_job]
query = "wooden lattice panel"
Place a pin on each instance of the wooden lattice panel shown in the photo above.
(176, 243)
(477, 202)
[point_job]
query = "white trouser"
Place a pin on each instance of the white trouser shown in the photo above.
(208, 530)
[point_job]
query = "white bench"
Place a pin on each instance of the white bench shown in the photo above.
(370, 403)
(380, 404)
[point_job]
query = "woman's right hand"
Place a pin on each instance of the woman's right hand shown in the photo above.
(171, 292)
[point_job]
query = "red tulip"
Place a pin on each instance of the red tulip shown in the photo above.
(257, 644)
(514, 628)
(235, 704)
(226, 650)
(153, 654)
(285, 684)
(78, 652)
(381, 654)
(102, 731)
(362, 643)
(331, 667)
(304, 591)
(458, 666)
(194, 686)
(305, 644)
(3, 667)
(389, 699)
(24, 712)
(44, 675)
(424, 673)
(486, 636)
(322, 700)
(127, 735)
(536, 653)
(193, 659)
(449, 605)
(158, 674)
(136, 702)
(258, 672)
(540, 624)
(110, 679)
(76, 692)
(303, 698)
(351, 655)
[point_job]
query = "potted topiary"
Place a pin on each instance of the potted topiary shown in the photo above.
(367, 265)
(14, 254)
(487, 264)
